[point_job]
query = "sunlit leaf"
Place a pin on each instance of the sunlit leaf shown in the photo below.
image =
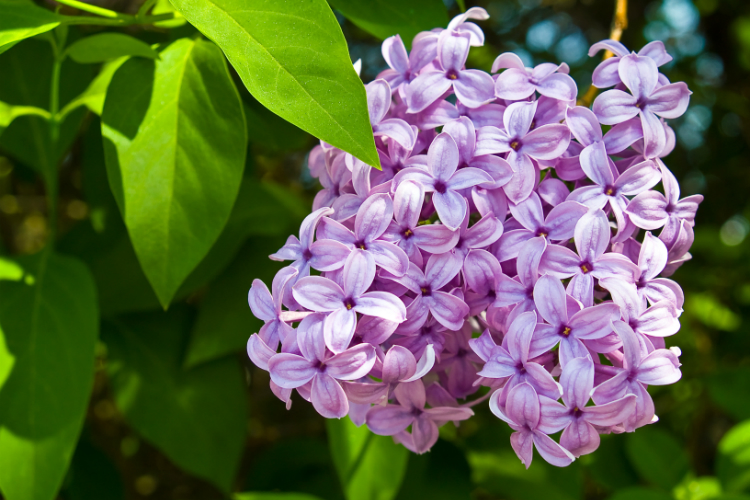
(108, 46)
(174, 167)
(295, 62)
(363, 459)
(21, 19)
(733, 463)
(50, 323)
(196, 417)
(384, 18)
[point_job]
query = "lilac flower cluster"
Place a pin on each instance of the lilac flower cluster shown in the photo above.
(504, 252)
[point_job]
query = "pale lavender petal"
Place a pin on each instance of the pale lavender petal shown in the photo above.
(529, 212)
(292, 250)
(549, 297)
(311, 338)
(583, 125)
(411, 394)
(373, 217)
(290, 371)
(638, 178)
(559, 262)
(352, 364)
(381, 304)
(580, 438)
(307, 228)
(552, 452)
(378, 99)
(329, 229)
(443, 157)
(510, 244)
(445, 413)
(388, 420)
(328, 398)
(453, 49)
(498, 168)
(659, 320)
(518, 338)
(425, 90)
(447, 309)
(492, 140)
(653, 257)
(625, 295)
(558, 86)
(481, 270)
(542, 381)
(435, 238)
(610, 390)
(359, 273)
(365, 392)
(591, 235)
(258, 352)
(577, 381)
(474, 88)
(328, 255)
(639, 74)
(606, 74)
(468, 177)
(507, 60)
(648, 210)
(424, 433)
(656, 51)
(424, 365)
(545, 338)
(614, 265)
(338, 329)
(622, 135)
(416, 174)
(562, 219)
(661, 367)
(389, 256)
(591, 196)
(670, 101)
(525, 177)
(513, 84)
(654, 134)
(613, 46)
(398, 130)
(261, 302)
(594, 322)
(631, 346)
(318, 294)
(394, 53)
(451, 208)
(595, 163)
(528, 260)
(500, 365)
(522, 406)
(522, 443)
(614, 106)
(462, 131)
(407, 203)
(398, 364)
(664, 289)
(613, 413)
(518, 117)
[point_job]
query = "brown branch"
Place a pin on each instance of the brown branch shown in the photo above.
(619, 23)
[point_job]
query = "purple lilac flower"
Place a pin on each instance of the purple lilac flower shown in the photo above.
(647, 100)
(483, 206)
(573, 417)
(442, 178)
(523, 414)
(518, 82)
(410, 411)
(471, 86)
(544, 143)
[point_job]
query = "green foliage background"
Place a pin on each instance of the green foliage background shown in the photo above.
(137, 171)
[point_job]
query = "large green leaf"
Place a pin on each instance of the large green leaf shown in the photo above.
(384, 18)
(175, 144)
(197, 417)
(21, 19)
(50, 323)
(9, 113)
(364, 460)
(107, 46)
(657, 456)
(93, 96)
(293, 58)
(733, 462)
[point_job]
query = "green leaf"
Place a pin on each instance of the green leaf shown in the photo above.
(92, 475)
(274, 496)
(363, 460)
(175, 144)
(107, 46)
(93, 96)
(293, 58)
(20, 19)
(730, 389)
(196, 417)
(384, 18)
(50, 323)
(638, 493)
(224, 319)
(733, 462)
(657, 457)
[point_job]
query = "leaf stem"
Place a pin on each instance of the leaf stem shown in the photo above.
(93, 9)
(145, 8)
(123, 20)
(57, 40)
(619, 23)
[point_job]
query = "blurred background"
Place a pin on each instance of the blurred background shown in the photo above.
(700, 449)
